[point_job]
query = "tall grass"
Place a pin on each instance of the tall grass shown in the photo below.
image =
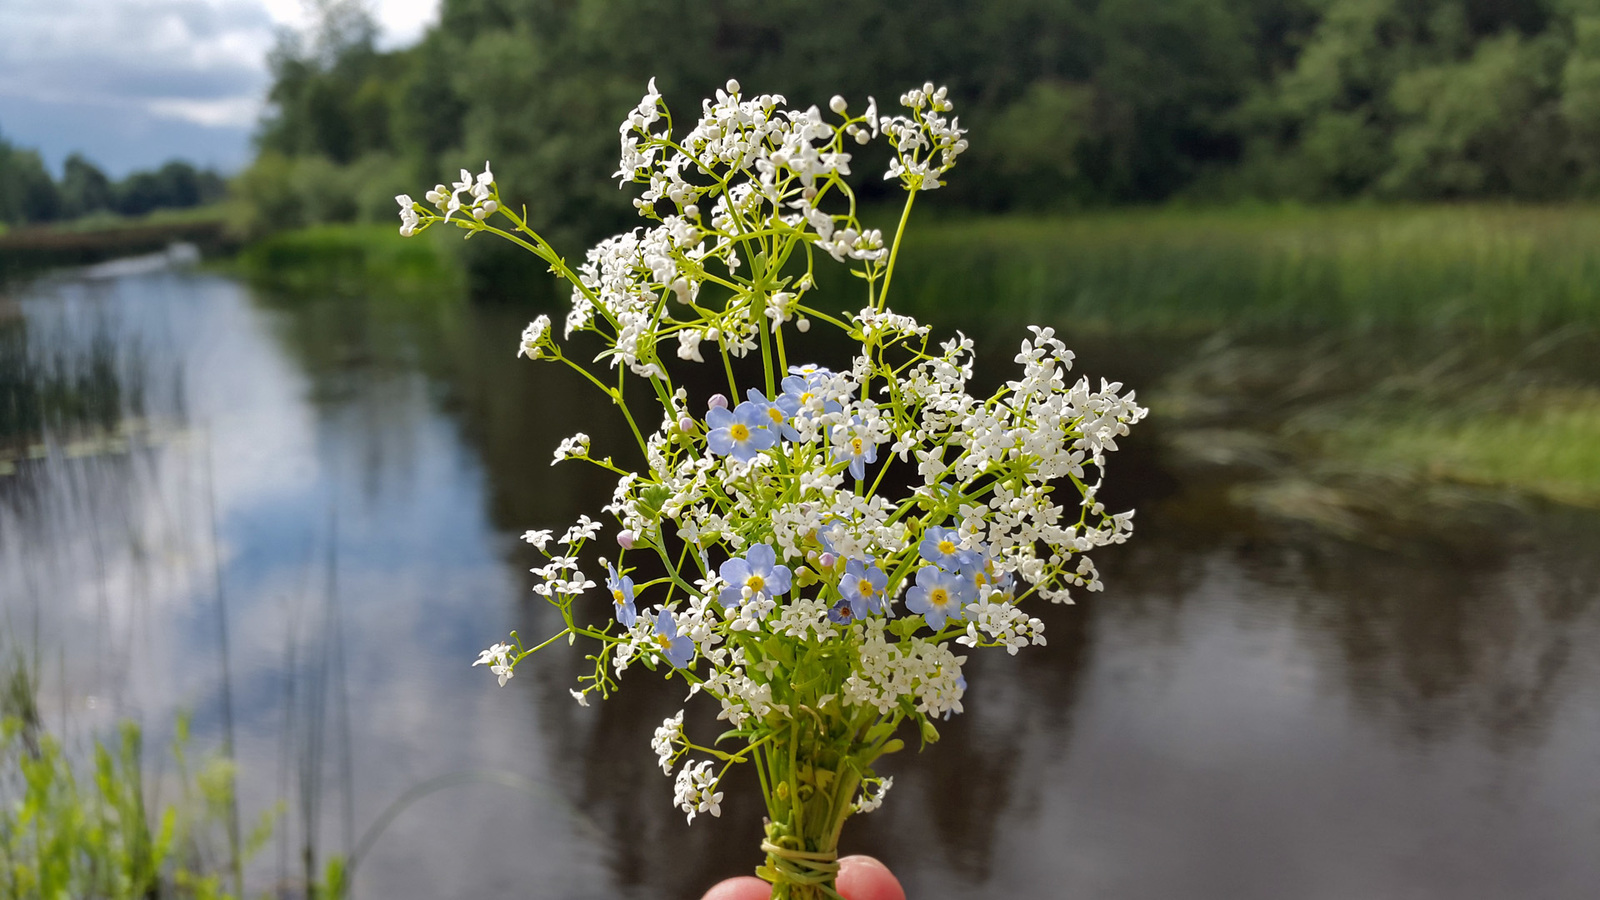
(354, 259)
(1475, 268)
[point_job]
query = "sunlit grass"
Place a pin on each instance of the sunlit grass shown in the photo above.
(1480, 268)
(358, 258)
(1547, 443)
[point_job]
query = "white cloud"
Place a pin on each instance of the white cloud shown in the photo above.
(196, 62)
(400, 22)
(234, 112)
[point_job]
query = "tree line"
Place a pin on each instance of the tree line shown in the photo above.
(29, 194)
(1070, 102)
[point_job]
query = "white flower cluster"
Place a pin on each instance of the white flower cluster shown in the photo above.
(498, 659)
(872, 795)
(666, 741)
(480, 204)
(925, 673)
(747, 164)
(695, 790)
(787, 574)
(926, 144)
(574, 447)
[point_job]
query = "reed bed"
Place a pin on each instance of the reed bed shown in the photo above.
(1496, 269)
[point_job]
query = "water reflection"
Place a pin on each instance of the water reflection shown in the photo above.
(1249, 711)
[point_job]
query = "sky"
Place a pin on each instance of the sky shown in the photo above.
(131, 84)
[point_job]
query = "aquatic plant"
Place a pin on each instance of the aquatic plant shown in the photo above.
(99, 833)
(765, 545)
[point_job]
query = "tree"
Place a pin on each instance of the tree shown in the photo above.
(27, 193)
(84, 188)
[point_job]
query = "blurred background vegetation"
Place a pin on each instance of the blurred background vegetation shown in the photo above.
(1071, 103)
(30, 195)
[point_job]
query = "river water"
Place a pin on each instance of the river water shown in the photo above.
(297, 517)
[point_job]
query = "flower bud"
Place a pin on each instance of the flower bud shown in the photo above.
(827, 560)
(685, 424)
(717, 401)
(733, 85)
(803, 324)
(837, 104)
(625, 540)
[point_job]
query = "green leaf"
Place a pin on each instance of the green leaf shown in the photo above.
(880, 731)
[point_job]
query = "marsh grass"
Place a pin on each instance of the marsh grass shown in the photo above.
(1486, 269)
(94, 828)
(354, 260)
(1546, 442)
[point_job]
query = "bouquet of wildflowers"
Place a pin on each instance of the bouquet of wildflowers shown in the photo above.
(766, 555)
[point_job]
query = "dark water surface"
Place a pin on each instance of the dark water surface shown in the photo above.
(1250, 710)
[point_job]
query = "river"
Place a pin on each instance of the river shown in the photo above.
(297, 517)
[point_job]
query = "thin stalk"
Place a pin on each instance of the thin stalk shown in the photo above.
(235, 862)
(894, 252)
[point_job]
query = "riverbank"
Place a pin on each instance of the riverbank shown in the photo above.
(1360, 350)
(25, 251)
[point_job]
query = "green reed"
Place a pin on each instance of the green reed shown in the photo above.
(1475, 268)
(352, 259)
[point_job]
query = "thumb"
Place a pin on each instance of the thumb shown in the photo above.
(864, 878)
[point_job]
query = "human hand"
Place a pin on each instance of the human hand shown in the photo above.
(860, 878)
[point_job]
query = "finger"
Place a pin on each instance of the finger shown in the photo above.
(742, 888)
(864, 878)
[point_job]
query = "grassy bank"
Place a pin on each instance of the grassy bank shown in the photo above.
(1488, 269)
(355, 259)
(1476, 268)
(92, 239)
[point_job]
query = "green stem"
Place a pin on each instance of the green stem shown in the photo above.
(894, 252)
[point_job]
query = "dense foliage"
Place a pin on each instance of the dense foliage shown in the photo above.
(1078, 102)
(30, 195)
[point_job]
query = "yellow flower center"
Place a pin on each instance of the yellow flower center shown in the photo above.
(755, 583)
(617, 597)
(866, 588)
(855, 445)
(664, 641)
(805, 399)
(775, 414)
(739, 431)
(939, 597)
(947, 547)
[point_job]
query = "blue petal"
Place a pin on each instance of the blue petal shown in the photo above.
(761, 558)
(778, 581)
(761, 438)
(735, 571)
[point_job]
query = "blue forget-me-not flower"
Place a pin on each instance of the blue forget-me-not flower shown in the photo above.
(756, 573)
(621, 587)
(938, 595)
(741, 433)
(677, 648)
